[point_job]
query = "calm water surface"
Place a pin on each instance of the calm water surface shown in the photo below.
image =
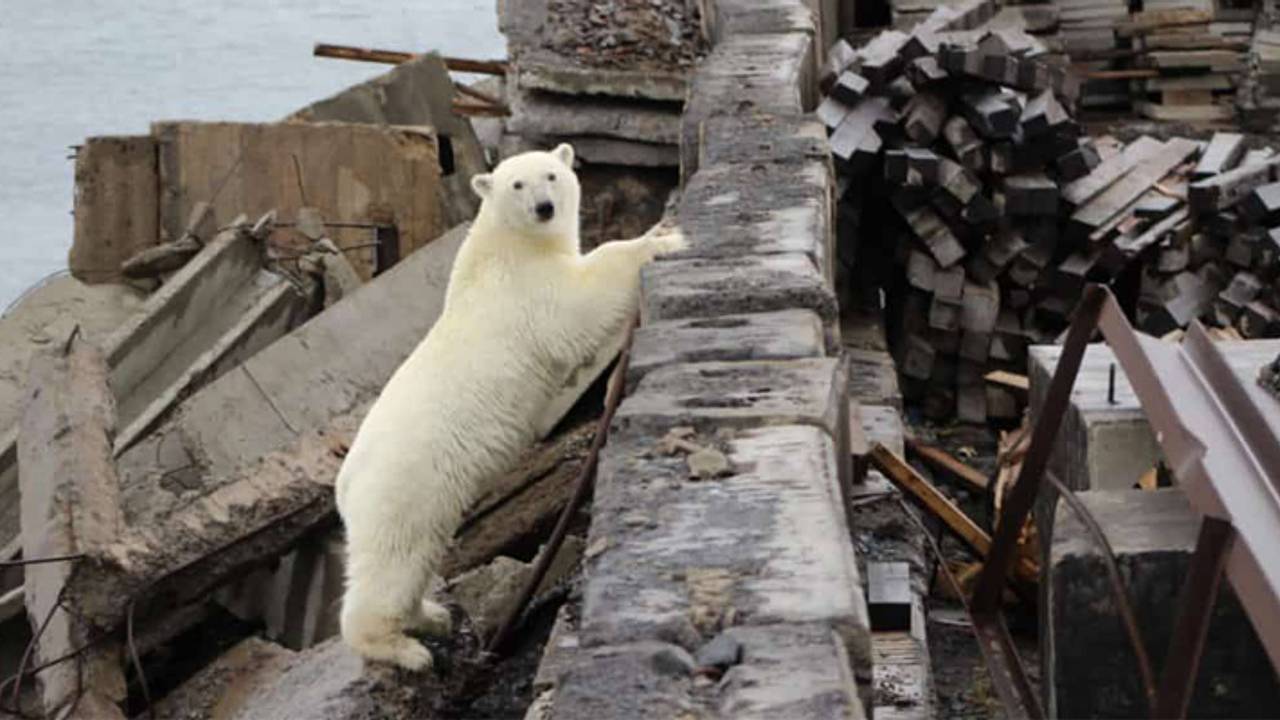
(74, 68)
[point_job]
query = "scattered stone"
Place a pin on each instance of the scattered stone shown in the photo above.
(708, 463)
(722, 652)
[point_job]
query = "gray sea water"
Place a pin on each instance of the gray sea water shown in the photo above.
(70, 69)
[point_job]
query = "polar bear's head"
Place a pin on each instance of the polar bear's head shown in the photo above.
(533, 194)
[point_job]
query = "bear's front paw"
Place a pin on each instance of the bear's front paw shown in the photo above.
(669, 240)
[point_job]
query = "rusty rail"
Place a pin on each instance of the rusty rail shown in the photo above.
(397, 57)
(1224, 452)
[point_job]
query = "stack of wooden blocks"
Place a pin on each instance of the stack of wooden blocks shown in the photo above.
(1194, 70)
(971, 198)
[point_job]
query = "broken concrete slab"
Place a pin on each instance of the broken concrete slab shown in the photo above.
(218, 310)
(706, 287)
(746, 73)
(762, 138)
(45, 318)
(781, 335)
(70, 507)
(419, 92)
(729, 18)
(368, 174)
(330, 682)
(596, 150)
(535, 114)
(116, 205)
(271, 399)
(1087, 660)
(765, 545)
(626, 681)
(487, 593)
(219, 690)
(731, 211)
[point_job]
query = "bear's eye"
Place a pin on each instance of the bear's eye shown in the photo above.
(551, 177)
(519, 185)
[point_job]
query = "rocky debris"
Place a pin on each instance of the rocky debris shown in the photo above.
(625, 33)
(487, 593)
(1269, 377)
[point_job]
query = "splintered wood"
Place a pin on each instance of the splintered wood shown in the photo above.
(964, 173)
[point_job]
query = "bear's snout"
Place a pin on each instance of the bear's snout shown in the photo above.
(545, 210)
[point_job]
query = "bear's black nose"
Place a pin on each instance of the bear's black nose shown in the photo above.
(545, 210)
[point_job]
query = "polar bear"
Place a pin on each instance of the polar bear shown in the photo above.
(524, 315)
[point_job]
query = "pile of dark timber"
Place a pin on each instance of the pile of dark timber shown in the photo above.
(973, 199)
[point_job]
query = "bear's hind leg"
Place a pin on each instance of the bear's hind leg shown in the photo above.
(381, 601)
(433, 619)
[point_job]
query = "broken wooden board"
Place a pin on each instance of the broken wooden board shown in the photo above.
(1145, 173)
(351, 173)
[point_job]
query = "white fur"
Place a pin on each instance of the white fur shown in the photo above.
(524, 310)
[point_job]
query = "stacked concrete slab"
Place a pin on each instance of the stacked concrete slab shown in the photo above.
(611, 87)
(737, 356)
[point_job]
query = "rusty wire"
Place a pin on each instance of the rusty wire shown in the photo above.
(16, 678)
(613, 396)
(137, 661)
(40, 561)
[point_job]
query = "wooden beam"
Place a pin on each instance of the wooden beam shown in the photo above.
(905, 477)
(938, 458)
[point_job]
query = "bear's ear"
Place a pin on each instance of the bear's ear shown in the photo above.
(564, 153)
(482, 184)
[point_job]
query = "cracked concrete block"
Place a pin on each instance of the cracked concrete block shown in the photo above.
(729, 18)
(1087, 661)
(799, 672)
(627, 682)
(219, 689)
(763, 138)
(709, 287)
(782, 335)
(736, 210)
(746, 73)
(767, 544)
(873, 377)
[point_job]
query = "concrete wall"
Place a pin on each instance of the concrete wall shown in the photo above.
(737, 347)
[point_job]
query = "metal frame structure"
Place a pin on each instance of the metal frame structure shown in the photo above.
(1219, 437)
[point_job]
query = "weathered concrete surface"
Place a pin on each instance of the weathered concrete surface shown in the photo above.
(546, 114)
(684, 559)
(708, 287)
(70, 506)
(487, 593)
(782, 335)
(219, 309)
(729, 18)
(627, 681)
(354, 173)
(332, 366)
(873, 377)
(762, 138)
(730, 211)
(746, 73)
(1088, 665)
(117, 205)
(419, 92)
(743, 394)
(41, 320)
(330, 682)
(596, 150)
(220, 689)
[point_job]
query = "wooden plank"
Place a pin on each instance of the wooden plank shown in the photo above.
(1080, 191)
(1144, 22)
(905, 477)
(941, 460)
(1222, 191)
(1191, 113)
(1145, 173)
(1218, 60)
(1010, 380)
(350, 172)
(1224, 152)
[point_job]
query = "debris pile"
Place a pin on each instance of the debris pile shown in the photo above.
(610, 76)
(963, 166)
